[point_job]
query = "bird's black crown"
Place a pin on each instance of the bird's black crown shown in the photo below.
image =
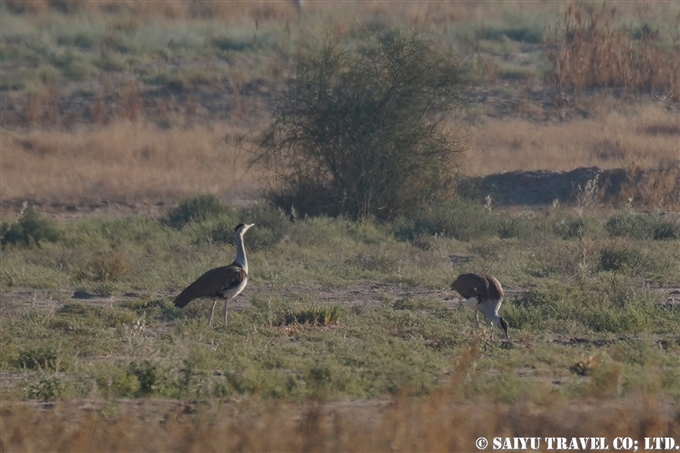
(240, 225)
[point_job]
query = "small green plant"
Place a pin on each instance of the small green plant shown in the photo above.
(417, 303)
(30, 228)
(271, 226)
(193, 381)
(48, 387)
(196, 209)
(314, 315)
(44, 357)
(576, 227)
(643, 226)
(153, 378)
(232, 43)
(457, 218)
(623, 257)
(606, 380)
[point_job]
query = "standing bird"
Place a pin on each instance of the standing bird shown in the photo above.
(482, 293)
(224, 282)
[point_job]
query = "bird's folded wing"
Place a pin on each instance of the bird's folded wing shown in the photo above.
(471, 285)
(211, 283)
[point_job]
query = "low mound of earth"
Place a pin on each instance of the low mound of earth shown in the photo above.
(581, 186)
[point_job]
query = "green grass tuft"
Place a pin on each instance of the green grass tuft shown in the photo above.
(196, 209)
(31, 228)
(314, 315)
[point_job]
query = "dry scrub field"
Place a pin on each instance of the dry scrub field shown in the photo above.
(117, 117)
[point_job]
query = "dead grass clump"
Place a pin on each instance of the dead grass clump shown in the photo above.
(588, 49)
(657, 188)
(586, 367)
(41, 107)
(110, 266)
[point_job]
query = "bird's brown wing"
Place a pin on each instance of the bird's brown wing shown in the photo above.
(495, 288)
(471, 285)
(211, 283)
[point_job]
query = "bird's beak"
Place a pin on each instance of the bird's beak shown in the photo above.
(247, 227)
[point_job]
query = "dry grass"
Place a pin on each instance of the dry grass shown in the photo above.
(139, 161)
(263, 10)
(124, 161)
(657, 188)
(441, 422)
(648, 138)
(588, 49)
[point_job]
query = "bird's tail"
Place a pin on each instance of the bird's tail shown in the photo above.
(183, 299)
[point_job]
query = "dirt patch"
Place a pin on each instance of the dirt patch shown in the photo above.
(360, 295)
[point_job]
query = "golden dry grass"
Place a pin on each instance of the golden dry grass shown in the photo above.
(123, 161)
(590, 50)
(432, 424)
(139, 161)
(647, 138)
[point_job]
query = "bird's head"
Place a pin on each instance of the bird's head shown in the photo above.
(242, 228)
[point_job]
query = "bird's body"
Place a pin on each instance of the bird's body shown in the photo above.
(224, 282)
(483, 293)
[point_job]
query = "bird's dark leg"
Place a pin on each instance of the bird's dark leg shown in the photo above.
(212, 312)
(226, 311)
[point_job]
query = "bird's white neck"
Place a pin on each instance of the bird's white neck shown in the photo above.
(241, 259)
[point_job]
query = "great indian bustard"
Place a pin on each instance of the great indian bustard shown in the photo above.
(224, 282)
(482, 293)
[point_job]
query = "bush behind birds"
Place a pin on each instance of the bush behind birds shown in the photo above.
(361, 131)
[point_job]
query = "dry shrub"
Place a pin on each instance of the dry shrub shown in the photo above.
(656, 188)
(586, 367)
(589, 50)
(109, 266)
(360, 131)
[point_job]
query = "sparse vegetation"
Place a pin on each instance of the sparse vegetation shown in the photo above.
(644, 227)
(196, 209)
(314, 315)
(30, 229)
(112, 113)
